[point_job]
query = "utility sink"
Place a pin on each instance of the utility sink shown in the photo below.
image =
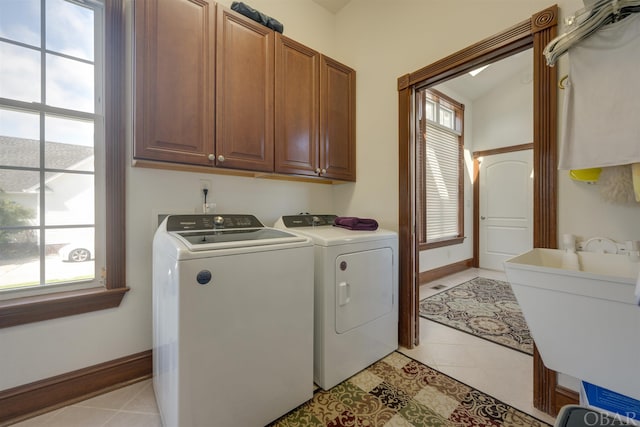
(584, 322)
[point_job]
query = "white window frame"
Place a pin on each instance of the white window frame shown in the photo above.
(37, 308)
(99, 173)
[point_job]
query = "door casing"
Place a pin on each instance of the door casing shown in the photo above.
(535, 33)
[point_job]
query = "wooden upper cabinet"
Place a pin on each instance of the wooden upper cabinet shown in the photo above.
(174, 80)
(337, 120)
(297, 108)
(244, 98)
(213, 87)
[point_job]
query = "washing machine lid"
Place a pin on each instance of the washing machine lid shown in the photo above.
(214, 232)
(325, 234)
(225, 239)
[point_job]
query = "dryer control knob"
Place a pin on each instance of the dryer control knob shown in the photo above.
(218, 221)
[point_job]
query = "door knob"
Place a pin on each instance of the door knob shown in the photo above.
(482, 217)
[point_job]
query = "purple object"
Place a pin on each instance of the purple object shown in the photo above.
(355, 223)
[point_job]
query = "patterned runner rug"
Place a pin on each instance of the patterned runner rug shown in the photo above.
(482, 307)
(398, 391)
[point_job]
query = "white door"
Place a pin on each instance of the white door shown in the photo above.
(506, 207)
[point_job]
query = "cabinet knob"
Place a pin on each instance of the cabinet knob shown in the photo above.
(323, 171)
(221, 158)
(212, 157)
(318, 170)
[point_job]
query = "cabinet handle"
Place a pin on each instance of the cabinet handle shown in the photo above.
(212, 157)
(221, 158)
(318, 171)
(323, 171)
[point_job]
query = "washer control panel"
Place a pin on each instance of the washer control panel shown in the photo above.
(307, 220)
(208, 222)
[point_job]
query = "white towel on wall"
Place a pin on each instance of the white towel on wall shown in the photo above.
(602, 99)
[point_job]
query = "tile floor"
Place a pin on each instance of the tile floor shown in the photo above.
(501, 372)
(494, 369)
(131, 406)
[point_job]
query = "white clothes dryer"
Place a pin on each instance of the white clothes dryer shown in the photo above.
(355, 296)
(232, 321)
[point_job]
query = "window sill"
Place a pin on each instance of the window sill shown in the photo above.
(19, 311)
(441, 243)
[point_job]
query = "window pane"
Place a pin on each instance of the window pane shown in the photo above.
(446, 117)
(19, 255)
(19, 138)
(21, 187)
(70, 29)
(430, 110)
(69, 255)
(18, 213)
(19, 258)
(19, 73)
(20, 21)
(69, 84)
(69, 144)
(69, 199)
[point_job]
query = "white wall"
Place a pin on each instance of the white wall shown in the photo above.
(41, 350)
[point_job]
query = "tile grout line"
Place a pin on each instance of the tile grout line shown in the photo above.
(142, 389)
(115, 413)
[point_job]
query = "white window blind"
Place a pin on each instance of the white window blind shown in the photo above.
(442, 183)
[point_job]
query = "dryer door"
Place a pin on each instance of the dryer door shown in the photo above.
(364, 287)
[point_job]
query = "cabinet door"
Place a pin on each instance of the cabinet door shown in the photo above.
(337, 120)
(296, 108)
(244, 98)
(174, 81)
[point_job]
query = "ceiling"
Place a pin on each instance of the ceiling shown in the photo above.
(520, 64)
(332, 6)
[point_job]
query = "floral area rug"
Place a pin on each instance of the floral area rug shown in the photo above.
(482, 307)
(398, 391)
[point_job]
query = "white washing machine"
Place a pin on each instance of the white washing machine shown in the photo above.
(232, 321)
(355, 298)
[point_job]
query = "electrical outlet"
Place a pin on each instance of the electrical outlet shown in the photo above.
(205, 193)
